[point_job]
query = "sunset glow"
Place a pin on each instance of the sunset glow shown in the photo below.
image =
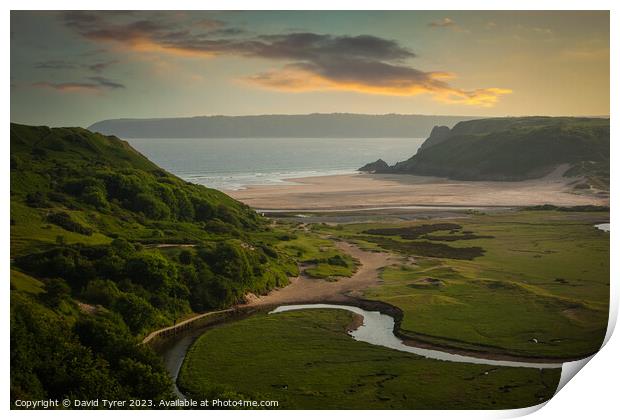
(156, 64)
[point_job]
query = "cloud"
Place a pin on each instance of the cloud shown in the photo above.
(96, 67)
(448, 23)
(210, 24)
(368, 78)
(94, 52)
(100, 66)
(544, 31)
(443, 23)
(228, 32)
(94, 85)
(156, 35)
(106, 83)
(69, 87)
(537, 30)
(311, 61)
(55, 65)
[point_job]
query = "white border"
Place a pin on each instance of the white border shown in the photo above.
(591, 395)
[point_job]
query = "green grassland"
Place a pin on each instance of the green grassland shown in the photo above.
(24, 283)
(540, 286)
(305, 360)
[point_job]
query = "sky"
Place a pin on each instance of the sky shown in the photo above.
(79, 67)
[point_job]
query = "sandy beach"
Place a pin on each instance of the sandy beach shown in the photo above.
(359, 191)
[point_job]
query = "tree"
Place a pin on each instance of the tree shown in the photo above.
(185, 257)
(151, 270)
(143, 380)
(231, 261)
(122, 247)
(151, 206)
(56, 290)
(48, 361)
(137, 313)
(102, 292)
(95, 197)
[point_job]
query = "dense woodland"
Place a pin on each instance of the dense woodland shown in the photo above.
(94, 226)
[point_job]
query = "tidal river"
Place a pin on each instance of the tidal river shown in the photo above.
(378, 329)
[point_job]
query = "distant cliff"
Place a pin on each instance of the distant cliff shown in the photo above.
(292, 126)
(507, 149)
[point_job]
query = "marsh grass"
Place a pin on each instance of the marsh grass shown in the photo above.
(541, 287)
(305, 360)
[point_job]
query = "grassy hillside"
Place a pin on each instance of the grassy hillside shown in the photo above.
(105, 189)
(105, 247)
(507, 149)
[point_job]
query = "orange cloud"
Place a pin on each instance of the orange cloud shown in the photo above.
(69, 87)
(291, 79)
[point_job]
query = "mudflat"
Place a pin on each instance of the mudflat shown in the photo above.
(358, 191)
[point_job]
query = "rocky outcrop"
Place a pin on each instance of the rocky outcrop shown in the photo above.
(375, 167)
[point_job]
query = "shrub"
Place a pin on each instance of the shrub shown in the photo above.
(137, 313)
(151, 206)
(152, 271)
(102, 292)
(95, 197)
(37, 200)
(65, 221)
(56, 291)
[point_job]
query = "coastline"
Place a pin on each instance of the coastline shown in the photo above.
(362, 191)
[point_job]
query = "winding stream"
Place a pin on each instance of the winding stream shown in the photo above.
(378, 329)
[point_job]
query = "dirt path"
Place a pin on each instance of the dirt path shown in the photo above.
(304, 289)
(185, 324)
(170, 246)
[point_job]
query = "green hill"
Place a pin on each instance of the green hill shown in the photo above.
(106, 247)
(508, 149)
(109, 189)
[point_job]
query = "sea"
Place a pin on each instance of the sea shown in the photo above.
(236, 163)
